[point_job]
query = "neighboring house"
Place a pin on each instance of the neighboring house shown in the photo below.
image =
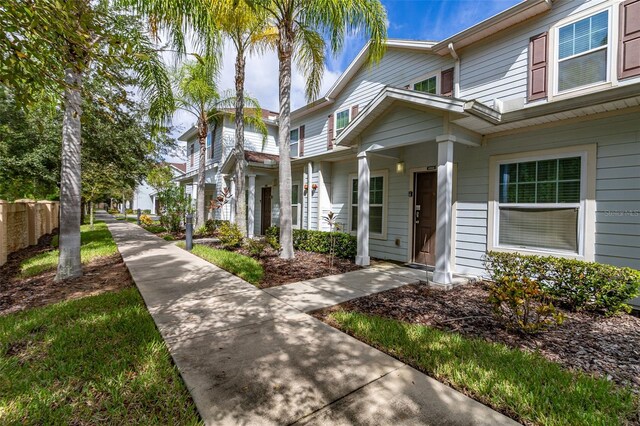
(262, 167)
(145, 197)
(521, 133)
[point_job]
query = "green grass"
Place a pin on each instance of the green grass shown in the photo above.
(94, 360)
(525, 385)
(245, 267)
(130, 218)
(94, 244)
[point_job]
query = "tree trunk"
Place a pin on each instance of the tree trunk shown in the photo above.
(69, 264)
(239, 199)
(202, 140)
(285, 50)
(91, 214)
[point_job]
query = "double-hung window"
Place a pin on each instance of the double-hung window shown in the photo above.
(376, 204)
(583, 52)
(428, 85)
(342, 120)
(210, 145)
(540, 204)
(294, 138)
(295, 205)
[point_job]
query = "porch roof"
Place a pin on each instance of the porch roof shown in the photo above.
(253, 158)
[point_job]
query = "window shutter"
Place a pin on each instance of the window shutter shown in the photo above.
(301, 140)
(446, 82)
(354, 112)
(629, 50)
(330, 132)
(538, 64)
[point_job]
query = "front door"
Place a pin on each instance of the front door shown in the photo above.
(424, 233)
(265, 212)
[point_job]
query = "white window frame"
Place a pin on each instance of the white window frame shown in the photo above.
(612, 47)
(427, 77)
(299, 205)
(297, 143)
(209, 145)
(586, 206)
(335, 120)
(385, 197)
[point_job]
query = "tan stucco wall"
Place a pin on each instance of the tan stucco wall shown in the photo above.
(22, 223)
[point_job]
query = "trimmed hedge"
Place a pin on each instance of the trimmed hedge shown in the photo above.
(345, 245)
(575, 284)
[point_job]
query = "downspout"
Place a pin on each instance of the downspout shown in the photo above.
(309, 191)
(456, 71)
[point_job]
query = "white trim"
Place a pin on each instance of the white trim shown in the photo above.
(335, 120)
(428, 76)
(384, 173)
(586, 215)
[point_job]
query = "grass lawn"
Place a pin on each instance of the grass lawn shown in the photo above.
(130, 218)
(94, 360)
(526, 386)
(245, 267)
(94, 244)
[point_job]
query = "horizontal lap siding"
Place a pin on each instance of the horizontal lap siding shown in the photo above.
(497, 68)
(617, 187)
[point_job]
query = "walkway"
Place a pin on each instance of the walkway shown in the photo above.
(249, 358)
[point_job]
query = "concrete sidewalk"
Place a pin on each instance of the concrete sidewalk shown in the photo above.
(248, 357)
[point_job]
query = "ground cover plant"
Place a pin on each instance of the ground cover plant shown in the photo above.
(245, 267)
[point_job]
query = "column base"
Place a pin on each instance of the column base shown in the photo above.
(442, 277)
(363, 260)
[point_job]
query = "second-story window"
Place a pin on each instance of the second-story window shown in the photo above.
(342, 120)
(428, 85)
(192, 153)
(294, 138)
(583, 52)
(210, 145)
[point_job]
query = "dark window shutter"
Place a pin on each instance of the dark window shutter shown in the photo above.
(330, 132)
(354, 111)
(629, 50)
(446, 82)
(301, 140)
(538, 65)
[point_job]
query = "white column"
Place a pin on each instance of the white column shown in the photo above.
(442, 273)
(251, 208)
(362, 257)
(232, 202)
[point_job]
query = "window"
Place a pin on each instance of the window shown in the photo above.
(428, 86)
(539, 204)
(376, 205)
(295, 205)
(209, 145)
(342, 120)
(294, 138)
(192, 153)
(583, 52)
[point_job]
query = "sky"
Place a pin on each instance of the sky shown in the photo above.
(407, 19)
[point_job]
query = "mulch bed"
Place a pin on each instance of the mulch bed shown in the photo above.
(17, 293)
(605, 347)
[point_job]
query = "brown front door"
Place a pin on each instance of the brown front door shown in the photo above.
(424, 233)
(265, 212)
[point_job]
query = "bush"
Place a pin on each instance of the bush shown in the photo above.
(146, 211)
(575, 284)
(255, 247)
(229, 235)
(128, 211)
(146, 220)
(201, 231)
(345, 245)
(523, 305)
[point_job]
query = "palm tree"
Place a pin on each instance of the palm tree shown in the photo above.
(301, 26)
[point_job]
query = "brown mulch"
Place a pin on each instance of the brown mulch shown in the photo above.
(17, 293)
(605, 347)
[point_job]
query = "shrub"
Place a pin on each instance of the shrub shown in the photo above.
(345, 245)
(201, 231)
(213, 224)
(523, 305)
(273, 242)
(575, 284)
(146, 211)
(255, 247)
(146, 220)
(128, 211)
(229, 235)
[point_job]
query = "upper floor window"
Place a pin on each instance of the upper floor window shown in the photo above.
(583, 52)
(428, 86)
(210, 145)
(294, 138)
(342, 120)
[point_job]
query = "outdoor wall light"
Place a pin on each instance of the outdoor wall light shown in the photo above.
(314, 186)
(400, 167)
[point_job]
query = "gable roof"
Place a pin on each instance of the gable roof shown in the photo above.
(181, 167)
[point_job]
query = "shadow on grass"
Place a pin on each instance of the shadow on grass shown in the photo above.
(94, 360)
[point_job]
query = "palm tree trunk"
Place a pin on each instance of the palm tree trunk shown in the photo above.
(240, 202)
(202, 140)
(69, 264)
(285, 50)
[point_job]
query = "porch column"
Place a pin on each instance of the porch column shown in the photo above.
(232, 213)
(442, 273)
(362, 257)
(251, 208)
